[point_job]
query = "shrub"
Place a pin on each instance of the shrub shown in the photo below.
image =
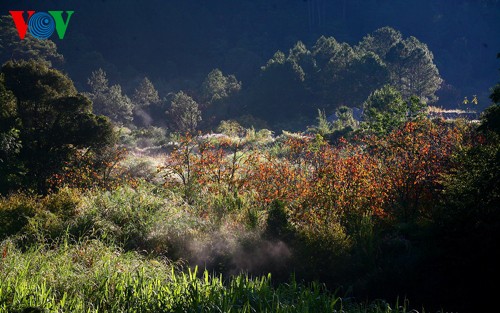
(34, 219)
(125, 215)
(277, 225)
(65, 203)
(140, 167)
(145, 218)
(15, 213)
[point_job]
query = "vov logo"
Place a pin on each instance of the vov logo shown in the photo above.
(41, 25)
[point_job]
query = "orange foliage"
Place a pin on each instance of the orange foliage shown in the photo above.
(87, 170)
(218, 167)
(396, 176)
(414, 158)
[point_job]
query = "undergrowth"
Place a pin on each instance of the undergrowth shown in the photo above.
(89, 276)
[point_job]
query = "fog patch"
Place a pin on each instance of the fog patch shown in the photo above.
(247, 252)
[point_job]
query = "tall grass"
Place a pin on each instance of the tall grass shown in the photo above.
(91, 277)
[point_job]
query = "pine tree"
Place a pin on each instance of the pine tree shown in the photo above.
(145, 94)
(217, 87)
(109, 101)
(383, 111)
(183, 113)
(413, 71)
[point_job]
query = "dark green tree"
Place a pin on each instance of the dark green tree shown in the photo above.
(383, 111)
(323, 127)
(343, 75)
(380, 41)
(218, 93)
(145, 100)
(412, 70)
(345, 119)
(280, 94)
(365, 73)
(409, 61)
(345, 124)
(302, 61)
(98, 82)
(231, 128)
(468, 218)
(30, 48)
(8, 108)
(416, 108)
(332, 60)
(48, 121)
(145, 94)
(184, 113)
(10, 144)
(109, 101)
(495, 94)
(217, 87)
(327, 48)
(490, 120)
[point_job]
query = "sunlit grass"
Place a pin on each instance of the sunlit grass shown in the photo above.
(91, 277)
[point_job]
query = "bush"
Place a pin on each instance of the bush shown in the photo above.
(15, 213)
(145, 218)
(124, 216)
(140, 167)
(65, 203)
(467, 226)
(277, 225)
(34, 219)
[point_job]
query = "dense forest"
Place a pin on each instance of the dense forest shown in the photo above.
(251, 156)
(177, 43)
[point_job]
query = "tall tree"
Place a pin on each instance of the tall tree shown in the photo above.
(146, 100)
(365, 73)
(345, 119)
(145, 94)
(109, 101)
(409, 61)
(345, 76)
(217, 87)
(333, 74)
(51, 120)
(380, 41)
(218, 91)
(332, 60)
(468, 219)
(413, 71)
(184, 113)
(10, 143)
(280, 92)
(495, 94)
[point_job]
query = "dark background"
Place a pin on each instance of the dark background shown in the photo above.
(177, 42)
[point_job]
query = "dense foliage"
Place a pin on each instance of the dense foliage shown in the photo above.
(178, 43)
(111, 199)
(247, 82)
(44, 122)
(332, 74)
(369, 211)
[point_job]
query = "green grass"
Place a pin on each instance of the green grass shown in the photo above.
(91, 277)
